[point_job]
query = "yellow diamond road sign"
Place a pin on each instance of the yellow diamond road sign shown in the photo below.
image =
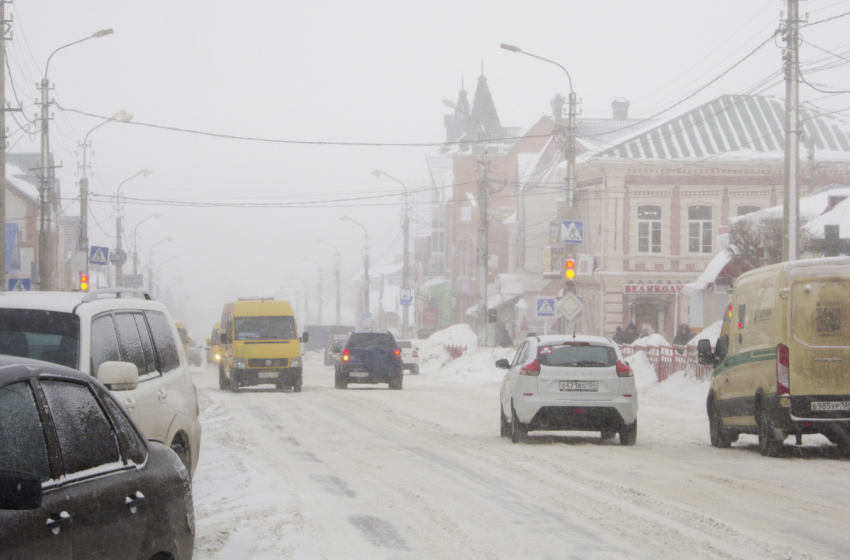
(570, 306)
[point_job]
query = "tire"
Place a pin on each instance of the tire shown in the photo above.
(415, 370)
(769, 445)
(395, 384)
(628, 435)
(297, 387)
(608, 435)
(503, 423)
(223, 382)
(182, 451)
(519, 432)
(234, 382)
(339, 382)
(720, 437)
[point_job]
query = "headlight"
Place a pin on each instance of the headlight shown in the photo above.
(218, 357)
(239, 363)
(295, 362)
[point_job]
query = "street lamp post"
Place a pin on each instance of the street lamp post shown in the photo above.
(365, 262)
(160, 265)
(83, 244)
(150, 261)
(319, 286)
(337, 274)
(305, 298)
(45, 262)
(119, 274)
(405, 271)
(136, 243)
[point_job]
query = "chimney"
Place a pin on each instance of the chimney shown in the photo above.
(621, 108)
(558, 108)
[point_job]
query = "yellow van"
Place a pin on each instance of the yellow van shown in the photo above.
(214, 352)
(782, 362)
(260, 344)
(184, 337)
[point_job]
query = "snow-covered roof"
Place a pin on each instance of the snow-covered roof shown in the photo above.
(736, 126)
(811, 206)
(509, 283)
(17, 178)
(839, 215)
(709, 275)
(493, 302)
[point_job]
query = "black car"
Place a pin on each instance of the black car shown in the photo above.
(369, 357)
(77, 479)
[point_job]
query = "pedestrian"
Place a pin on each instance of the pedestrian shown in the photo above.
(630, 334)
(619, 336)
(683, 336)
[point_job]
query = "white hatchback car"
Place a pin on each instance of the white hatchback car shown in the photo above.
(409, 356)
(568, 382)
(84, 330)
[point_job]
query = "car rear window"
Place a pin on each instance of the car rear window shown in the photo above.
(575, 355)
(365, 340)
(51, 336)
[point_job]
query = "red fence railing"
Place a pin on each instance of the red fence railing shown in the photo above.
(667, 360)
(455, 351)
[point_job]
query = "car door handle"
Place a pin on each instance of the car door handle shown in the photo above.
(130, 404)
(58, 520)
(134, 501)
(162, 394)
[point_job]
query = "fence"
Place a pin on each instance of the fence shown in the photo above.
(455, 351)
(667, 360)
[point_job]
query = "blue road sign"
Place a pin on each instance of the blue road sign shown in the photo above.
(545, 307)
(406, 296)
(98, 255)
(572, 231)
(19, 284)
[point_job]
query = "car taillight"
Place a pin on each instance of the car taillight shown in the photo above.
(398, 353)
(532, 369)
(623, 370)
(783, 371)
(345, 355)
(415, 354)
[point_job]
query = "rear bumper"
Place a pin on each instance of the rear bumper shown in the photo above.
(251, 376)
(541, 414)
(353, 374)
(796, 414)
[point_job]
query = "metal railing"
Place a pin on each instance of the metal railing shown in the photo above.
(667, 360)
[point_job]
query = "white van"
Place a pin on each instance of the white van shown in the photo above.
(782, 362)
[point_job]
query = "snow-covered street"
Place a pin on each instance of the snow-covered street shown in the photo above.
(423, 473)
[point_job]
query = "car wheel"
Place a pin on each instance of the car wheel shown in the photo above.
(720, 437)
(608, 435)
(503, 423)
(223, 383)
(769, 444)
(628, 435)
(234, 382)
(297, 386)
(415, 370)
(395, 384)
(339, 382)
(182, 451)
(519, 432)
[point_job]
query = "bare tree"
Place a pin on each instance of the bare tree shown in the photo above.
(760, 243)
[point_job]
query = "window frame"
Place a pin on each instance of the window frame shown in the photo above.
(654, 228)
(704, 237)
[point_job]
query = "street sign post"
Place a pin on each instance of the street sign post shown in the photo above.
(572, 231)
(99, 255)
(406, 296)
(545, 307)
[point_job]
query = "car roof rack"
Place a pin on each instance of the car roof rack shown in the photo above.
(94, 295)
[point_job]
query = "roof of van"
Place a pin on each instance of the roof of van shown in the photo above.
(800, 266)
(261, 307)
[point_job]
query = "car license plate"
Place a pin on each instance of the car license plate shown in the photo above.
(359, 374)
(579, 386)
(267, 374)
(832, 405)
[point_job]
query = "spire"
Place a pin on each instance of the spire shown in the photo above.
(484, 109)
(458, 124)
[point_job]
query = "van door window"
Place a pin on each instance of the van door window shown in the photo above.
(104, 342)
(163, 341)
(147, 345)
(130, 341)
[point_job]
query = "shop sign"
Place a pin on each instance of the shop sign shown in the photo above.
(653, 288)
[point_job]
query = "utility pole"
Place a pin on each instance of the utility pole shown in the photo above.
(791, 201)
(3, 22)
(483, 191)
(45, 273)
(338, 294)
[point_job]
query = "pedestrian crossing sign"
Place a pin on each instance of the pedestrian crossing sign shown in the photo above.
(545, 307)
(572, 231)
(99, 255)
(19, 284)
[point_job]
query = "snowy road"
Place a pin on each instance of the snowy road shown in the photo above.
(422, 473)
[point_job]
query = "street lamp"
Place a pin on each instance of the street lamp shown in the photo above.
(306, 299)
(45, 263)
(405, 271)
(150, 261)
(337, 273)
(136, 244)
(365, 260)
(122, 116)
(119, 275)
(305, 259)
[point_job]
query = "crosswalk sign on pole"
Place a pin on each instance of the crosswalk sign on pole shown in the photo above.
(99, 255)
(572, 231)
(545, 308)
(19, 284)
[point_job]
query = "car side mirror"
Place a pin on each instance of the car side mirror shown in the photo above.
(19, 490)
(305, 337)
(503, 364)
(208, 342)
(705, 355)
(118, 376)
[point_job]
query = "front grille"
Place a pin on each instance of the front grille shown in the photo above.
(267, 363)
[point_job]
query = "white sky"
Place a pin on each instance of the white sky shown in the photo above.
(367, 71)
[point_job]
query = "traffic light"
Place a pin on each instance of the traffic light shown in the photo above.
(84, 282)
(569, 269)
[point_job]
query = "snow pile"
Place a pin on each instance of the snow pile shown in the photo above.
(680, 392)
(651, 340)
(476, 366)
(644, 371)
(432, 352)
(710, 333)
(432, 357)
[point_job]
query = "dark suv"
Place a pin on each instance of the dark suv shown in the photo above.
(369, 357)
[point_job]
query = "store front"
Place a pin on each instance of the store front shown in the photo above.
(655, 306)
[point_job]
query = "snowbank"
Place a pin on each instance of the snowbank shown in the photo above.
(710, 333)
(651, 340)
(476, 366)
(456, 335)
(644, 372)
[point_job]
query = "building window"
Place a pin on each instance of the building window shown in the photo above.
(649, 229)
(699, 229)
(747, 209)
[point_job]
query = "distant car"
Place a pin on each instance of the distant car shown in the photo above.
(409, 356)
(369, 357)
(568, 382)
(333, 348)
(77, 479)
(196, 354)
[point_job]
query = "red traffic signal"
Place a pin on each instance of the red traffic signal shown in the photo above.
(570, 268)
(84, 281)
